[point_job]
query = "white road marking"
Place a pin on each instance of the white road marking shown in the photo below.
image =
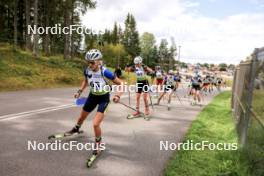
(33, 112)
(38, 111)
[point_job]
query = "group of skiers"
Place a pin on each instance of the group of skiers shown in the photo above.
(167, 83)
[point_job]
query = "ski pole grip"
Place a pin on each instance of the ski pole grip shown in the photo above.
(79, 91)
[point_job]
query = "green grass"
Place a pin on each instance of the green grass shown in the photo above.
(214, 124)
(255, 142)
(229, 82)
(19, 70)
(254, 147)
(258, 103)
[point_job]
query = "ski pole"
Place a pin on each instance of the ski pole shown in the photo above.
(150, 98)
(151, 101)
(128, 81)
(178, 98)
(129, 107)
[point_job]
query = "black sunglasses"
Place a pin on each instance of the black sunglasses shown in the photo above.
(91, 62)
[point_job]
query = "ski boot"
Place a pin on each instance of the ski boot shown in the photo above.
(135, 115)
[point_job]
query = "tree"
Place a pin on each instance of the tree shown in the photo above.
(222, 65)
(153, 57)
(107, 36)
(46, 39)
(131, 37)
(16, 16)
(222, 69)
(212, 66)
(120, 34)
(27, 15)
(231, 67)
(172, 54)
(163, 53)
(147, 43)
(90, 40)
(36, 40)
(114, 55)
(114, 35)
(15, 23)
(206, 65)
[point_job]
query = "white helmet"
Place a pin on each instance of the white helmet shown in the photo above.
(138, 60)
(171, 72)
(93, 54)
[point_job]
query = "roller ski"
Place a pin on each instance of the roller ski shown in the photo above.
(135, 115)
(93, 158)
(147, 114)
(195, 103)
(169, 107)
(75, 131)
(96, 153)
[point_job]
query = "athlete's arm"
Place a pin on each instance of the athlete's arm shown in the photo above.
(146, 68)
(120, 89)
(129, 68)
(109, 75)
(83, 86)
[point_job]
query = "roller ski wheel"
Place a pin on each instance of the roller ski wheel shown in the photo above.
(93, 158)
(156, 104)
(146, 117)
(64, 135)
(136, 115)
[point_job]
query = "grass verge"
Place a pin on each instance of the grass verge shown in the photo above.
(214, 124)
(19, 70)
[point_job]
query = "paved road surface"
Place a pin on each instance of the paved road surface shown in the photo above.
(133, 146)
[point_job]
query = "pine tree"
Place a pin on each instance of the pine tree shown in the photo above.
(114, 35)
(131, 37)
(163, 53)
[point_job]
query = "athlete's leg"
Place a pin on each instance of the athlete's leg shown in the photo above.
(170, 95)
(145, 97)
(76, 128)
(198, 95)
(194, 93)
(159, 86)
(137, 104)
(88, 107)
(99, 116)
(138, 100)
(82, 117)
(159, 99)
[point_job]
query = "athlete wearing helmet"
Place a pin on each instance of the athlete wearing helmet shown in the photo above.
(159, 78)
(138, 60)
(178, 79)
(142, 84)
(94, 76)
(206, 84)
(93, 54)
(170, 82)
(196, 82)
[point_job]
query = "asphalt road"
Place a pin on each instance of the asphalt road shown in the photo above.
(132, 146)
